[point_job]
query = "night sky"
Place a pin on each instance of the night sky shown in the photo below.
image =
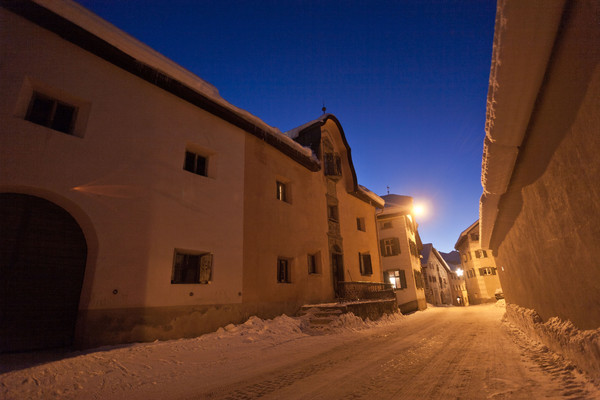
(407, 80)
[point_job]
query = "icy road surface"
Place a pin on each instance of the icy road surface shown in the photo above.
(440, 353)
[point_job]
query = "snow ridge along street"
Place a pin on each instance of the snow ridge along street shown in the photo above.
(440, 353)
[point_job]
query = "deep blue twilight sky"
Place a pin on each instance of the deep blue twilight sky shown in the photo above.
(407, 80)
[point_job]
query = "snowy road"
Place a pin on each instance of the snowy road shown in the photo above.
(442, 353)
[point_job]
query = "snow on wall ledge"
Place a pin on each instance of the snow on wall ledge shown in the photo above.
(580, 347)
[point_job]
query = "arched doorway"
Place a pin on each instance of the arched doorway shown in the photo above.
(43, 255)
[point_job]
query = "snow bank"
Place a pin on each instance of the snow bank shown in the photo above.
(580, 347)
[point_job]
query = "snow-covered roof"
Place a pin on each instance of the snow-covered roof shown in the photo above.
(522, 28)
(85, 29)
(359, 191)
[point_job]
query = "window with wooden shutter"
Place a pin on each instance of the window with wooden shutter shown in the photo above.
(365, 264)
(191, 267)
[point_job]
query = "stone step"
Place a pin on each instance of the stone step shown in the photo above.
(321, 321)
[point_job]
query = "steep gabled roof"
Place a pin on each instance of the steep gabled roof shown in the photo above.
(465, 233)
(428, 250)
(309, 135)
(81, 27)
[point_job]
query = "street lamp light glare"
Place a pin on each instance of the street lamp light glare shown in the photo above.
(418, 210)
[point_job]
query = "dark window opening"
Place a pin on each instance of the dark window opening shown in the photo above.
(195, 163)
(312, 264)
(192, 268)
(283, 270)
(49, 112)
(333, 164)
(365, 264)
(332, 213)
(360, 224)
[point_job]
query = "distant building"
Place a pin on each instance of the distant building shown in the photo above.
(457, 278)
(137, 204)
(479, 267)
(436, 274)
(400, 245)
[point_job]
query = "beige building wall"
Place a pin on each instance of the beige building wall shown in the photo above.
(291, 229)
(122, 179)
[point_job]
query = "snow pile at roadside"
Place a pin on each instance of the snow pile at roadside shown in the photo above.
(258, 329)
(581, 347)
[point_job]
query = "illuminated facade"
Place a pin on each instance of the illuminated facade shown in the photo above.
(479, 267)
(400, 247)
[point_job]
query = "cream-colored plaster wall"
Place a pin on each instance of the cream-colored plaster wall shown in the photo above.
(123, 179)
(404, 260)
(355, 241)
(274, 228)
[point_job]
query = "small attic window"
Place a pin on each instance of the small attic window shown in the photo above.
(195, 163)
(333, 164)
(52, 113)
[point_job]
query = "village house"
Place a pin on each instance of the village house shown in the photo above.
(479, 267)
(137, 204)
(436, 276)
(540, 207)
(400, 247)
(458, 285)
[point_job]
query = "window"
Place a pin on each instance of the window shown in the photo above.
(192, 267)
(413, 248)
(386, 225)
(474, 237)
(418, 279)
(333, 164)
(487, 271)
(332, 213)
(465, 258)
(195, 163)
(397, 278)
(360, 224)
(313, 267)
(469, 255)
(365, 264)
(283, 270)
(52, 113)
(389, 247)
(282, 191)
(484, 253)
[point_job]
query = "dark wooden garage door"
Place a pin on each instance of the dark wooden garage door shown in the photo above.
(42, 261)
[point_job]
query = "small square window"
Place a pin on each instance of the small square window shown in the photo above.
(195, 163)
(386, 225)
(360, 224)
(282, 191)
(52, 113)
(365, 264)
(192, 267)
(283, 270)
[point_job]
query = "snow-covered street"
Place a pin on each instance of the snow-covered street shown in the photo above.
(440, 353)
